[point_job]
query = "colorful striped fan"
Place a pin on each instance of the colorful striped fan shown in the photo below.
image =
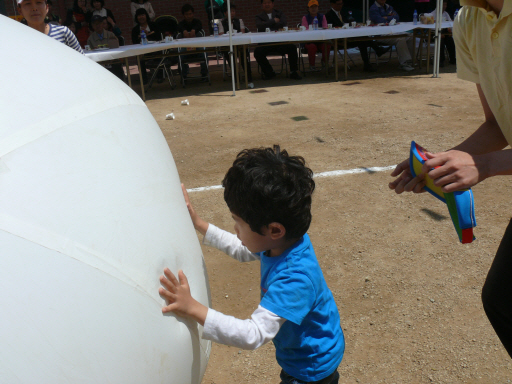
(460, 204)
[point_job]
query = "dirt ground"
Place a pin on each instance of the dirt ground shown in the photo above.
(408, 293)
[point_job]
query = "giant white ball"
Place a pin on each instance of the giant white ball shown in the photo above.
(91, 211)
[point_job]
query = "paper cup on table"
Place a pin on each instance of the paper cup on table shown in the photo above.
(285, 29)
(302, 28)
(87, 48)
(310, 27)
(353, 24)
(267, 30)
(329, 26)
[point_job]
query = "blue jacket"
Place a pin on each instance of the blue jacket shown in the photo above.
(377, 14)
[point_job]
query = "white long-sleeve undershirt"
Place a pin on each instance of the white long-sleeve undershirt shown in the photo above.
(245, 334)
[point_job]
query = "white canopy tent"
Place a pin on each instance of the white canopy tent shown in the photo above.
(230, 31)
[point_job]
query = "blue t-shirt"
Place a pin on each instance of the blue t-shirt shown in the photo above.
(310, 344)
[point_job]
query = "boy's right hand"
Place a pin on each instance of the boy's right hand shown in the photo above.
(199, 224)
(405, 182)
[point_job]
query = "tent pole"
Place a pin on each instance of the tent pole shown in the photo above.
(437, 49)
(230, 27)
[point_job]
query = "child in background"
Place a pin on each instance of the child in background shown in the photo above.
(269, 195)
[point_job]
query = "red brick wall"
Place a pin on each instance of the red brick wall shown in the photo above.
(246, 10)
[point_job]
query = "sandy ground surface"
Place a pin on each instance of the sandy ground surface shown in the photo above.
(408, 293)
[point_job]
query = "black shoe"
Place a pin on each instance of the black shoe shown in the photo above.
(381, 50)
(295, 75)
(369, 68)
(268, 76)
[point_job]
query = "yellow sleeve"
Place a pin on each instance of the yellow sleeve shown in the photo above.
(463, 28)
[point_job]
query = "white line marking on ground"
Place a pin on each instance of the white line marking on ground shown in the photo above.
(322, 174)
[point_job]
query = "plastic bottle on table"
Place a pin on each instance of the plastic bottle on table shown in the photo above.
(143, 38)
(415, 17)
(215, 30)
(315, 23)
(350, 18)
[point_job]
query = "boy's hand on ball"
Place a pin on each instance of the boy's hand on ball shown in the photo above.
(199, 224)
(178, 298)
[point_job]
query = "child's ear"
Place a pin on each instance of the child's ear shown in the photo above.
(276, 231)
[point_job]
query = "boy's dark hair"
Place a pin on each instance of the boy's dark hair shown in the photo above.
(186, 8)
(266, 185)
(99, 1)
(262, 1)
(141, 11)
(225, 6)
(333, 1)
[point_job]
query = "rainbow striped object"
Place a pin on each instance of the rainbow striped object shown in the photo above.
(460, 204)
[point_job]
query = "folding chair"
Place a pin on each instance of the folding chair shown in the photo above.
(193, 56)
(377, 59)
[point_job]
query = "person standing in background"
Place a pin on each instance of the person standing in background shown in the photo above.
(137, 4)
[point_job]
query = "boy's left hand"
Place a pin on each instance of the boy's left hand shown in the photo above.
(178, 298)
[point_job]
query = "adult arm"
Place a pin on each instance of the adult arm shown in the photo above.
(283, 22)
(72, 41)
(478, 157)
(150, 10)
(112, 41)
(393, 15)
(304, 22)
(375, 16)
(263, 22)
(324, 22)
(111, 15)
(228, 243)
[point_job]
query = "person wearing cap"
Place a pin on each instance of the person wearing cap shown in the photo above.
(274, 20)
(101, 37)
(35, 12)
(313, 48)
(481, 31)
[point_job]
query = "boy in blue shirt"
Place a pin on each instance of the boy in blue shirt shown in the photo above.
(269, 195)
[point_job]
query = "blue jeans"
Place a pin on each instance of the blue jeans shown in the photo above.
(331, 379)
